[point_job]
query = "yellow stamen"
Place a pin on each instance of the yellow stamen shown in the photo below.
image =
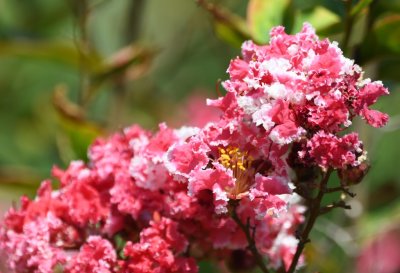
(240, 164)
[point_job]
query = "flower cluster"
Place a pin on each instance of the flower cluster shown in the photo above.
(159, 202)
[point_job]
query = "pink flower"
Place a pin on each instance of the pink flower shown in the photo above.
(96, 255)
(298, 83)
(198, 113)
(381, 255)
(216, 181)
(285, 130)
(79, 190)
(328, 113)
(328, 150)
(177, 195)
(32, 249)
(271, 184)
(158, 250)
(367, 96)
(183, 157)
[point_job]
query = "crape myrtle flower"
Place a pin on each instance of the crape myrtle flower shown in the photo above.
(298, 84)
(162, 201)
(96, 255)
(158, 250)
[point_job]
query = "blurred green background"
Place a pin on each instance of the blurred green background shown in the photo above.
(71, 70)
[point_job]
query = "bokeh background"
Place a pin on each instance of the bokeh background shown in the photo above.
(72, 70)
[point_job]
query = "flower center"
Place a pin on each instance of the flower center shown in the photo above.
(240, 164)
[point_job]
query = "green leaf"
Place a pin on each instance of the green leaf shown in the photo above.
(321, 18)
(360, 6)
(382, 168)
(382, 7)
(383, 41)
(78, 138)
(333, 29)
(207, 267)
(132, 61)
(228, 35)
(119, 242)
(262, 15)
(374, 222)
(388, 68)
(289, 17)
(77, 132)
(17, 180)
(62, 52)
(123, 60)
(387, 31)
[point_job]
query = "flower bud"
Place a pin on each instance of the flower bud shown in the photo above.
(353, 175)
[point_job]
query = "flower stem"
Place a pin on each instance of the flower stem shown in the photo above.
(250, 238)
(314, 212)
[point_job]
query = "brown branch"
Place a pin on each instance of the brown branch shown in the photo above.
(214, 10)
(224, 16)
(328, 208)
(249, 232)
(342, 189)
(314, 212)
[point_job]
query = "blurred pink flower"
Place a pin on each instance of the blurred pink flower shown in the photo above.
(381, 255)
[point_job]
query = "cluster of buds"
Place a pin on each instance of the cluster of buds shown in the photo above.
(161, 202)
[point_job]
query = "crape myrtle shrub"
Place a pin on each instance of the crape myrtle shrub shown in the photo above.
(162, 201)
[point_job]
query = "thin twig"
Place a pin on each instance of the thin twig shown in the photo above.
(224, 16)
(342, 189)
(328, 208)
(250, 238)
(314, 212)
